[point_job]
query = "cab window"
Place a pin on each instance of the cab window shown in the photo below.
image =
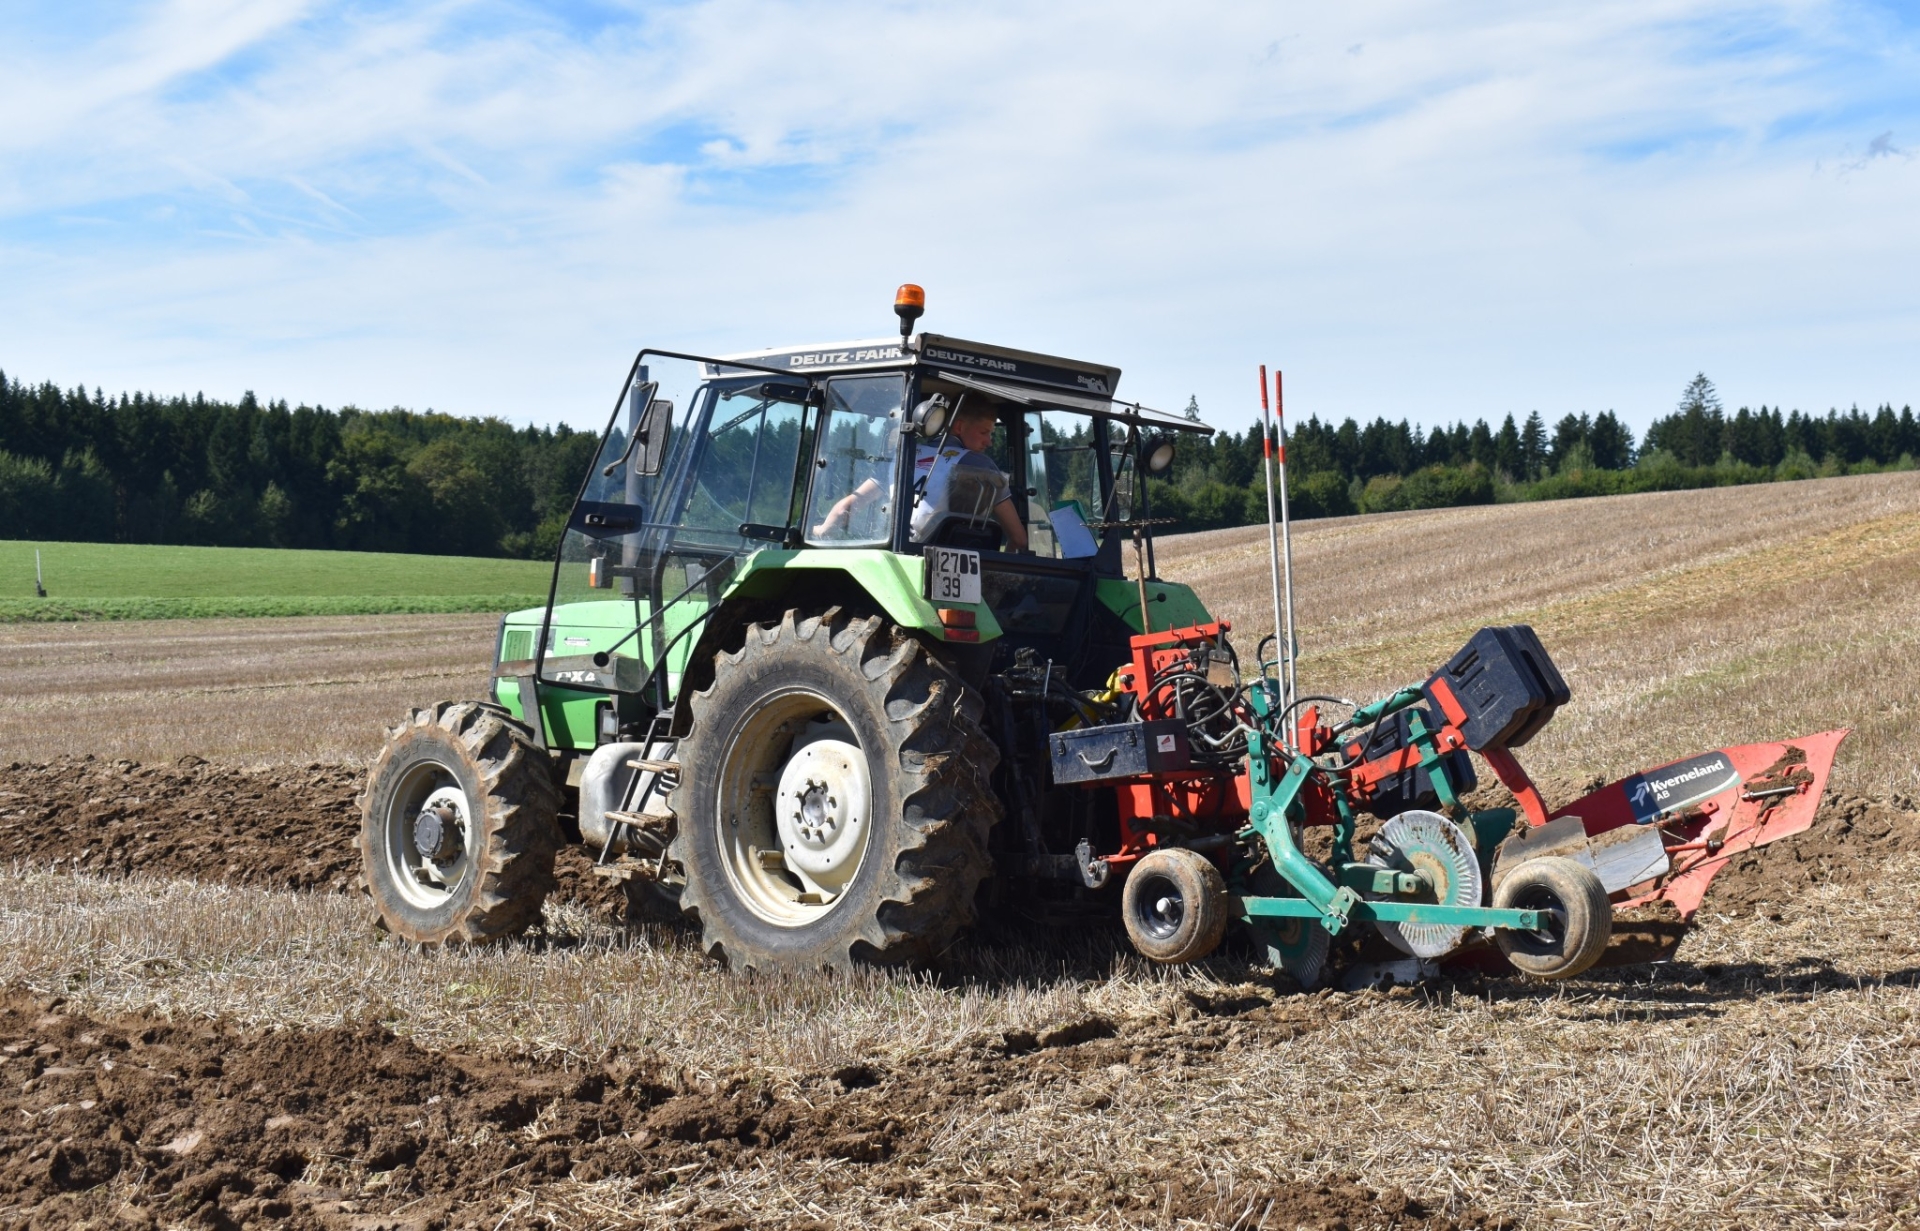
(856, 465)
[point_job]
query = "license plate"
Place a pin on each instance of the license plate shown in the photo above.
(953, 575)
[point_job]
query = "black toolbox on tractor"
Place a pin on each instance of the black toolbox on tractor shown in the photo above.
(1093, 754)
(1505, 682)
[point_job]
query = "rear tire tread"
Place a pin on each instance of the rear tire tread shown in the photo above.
(943, 758)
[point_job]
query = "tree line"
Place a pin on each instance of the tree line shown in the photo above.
(1387, 466)
(144, 469)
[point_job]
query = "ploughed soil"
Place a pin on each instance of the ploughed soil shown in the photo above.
(1852, 836)
(280, 828)
(294, 828)
(142, 1122)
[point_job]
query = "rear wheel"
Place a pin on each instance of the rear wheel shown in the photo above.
(458, 829)
(832, 803)
(1579, 918)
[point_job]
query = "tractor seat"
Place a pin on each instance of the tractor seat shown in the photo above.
(952, 531)
(968, 519)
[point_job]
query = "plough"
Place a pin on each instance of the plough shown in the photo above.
(1216, 830)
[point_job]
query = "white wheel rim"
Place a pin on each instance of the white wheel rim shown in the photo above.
(821, 811)
(795, 809)
(430, 826)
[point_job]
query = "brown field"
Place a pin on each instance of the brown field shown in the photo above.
(248, 692)
(201, 1042)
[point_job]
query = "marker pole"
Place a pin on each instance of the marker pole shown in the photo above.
(1273, 541)
(1286, 533)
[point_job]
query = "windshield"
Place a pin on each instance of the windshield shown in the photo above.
(743, 465)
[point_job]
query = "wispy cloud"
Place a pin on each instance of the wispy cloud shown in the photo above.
(1418, 209)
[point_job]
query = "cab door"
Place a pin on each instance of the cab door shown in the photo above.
(735, 495)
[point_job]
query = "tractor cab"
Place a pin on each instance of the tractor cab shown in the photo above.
(844, 473)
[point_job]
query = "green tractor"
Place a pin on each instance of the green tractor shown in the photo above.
(814, 616)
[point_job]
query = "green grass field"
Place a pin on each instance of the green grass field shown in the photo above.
(129, 581)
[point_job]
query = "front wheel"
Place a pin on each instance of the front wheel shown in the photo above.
(458, 829)
(832, 800)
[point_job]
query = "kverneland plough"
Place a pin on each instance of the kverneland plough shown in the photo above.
(1230, 780)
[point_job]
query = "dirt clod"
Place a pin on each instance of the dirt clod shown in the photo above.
(1851, 840)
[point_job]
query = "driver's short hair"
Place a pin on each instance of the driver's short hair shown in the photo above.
(972, 409)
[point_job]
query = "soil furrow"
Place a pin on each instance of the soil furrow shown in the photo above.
(149, 1122)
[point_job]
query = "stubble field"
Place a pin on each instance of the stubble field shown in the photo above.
(200, 1026)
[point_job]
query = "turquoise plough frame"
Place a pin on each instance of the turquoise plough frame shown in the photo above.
(1278, 774)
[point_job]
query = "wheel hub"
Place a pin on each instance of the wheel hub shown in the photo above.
(822, 811)
(817, 818)
(437, 831)
(428, 828)
(1164, 911)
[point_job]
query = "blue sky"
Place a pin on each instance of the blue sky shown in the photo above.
(1430, 211)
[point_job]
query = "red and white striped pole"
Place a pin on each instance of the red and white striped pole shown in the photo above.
(1286, 535)
(1280, 632)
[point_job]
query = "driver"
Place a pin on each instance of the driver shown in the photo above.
(963, 452)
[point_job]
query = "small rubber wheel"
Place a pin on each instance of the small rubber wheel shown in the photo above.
(458, 828)
(1175, 906)
(1579, 917)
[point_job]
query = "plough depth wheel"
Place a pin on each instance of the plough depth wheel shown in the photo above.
(1580, 919)
(1175, 906)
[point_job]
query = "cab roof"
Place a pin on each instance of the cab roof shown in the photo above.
(1025, 377)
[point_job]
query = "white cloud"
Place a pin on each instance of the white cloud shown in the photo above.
(485, 209)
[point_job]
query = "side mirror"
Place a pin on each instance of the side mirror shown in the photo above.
(656, 427)
(929, 418)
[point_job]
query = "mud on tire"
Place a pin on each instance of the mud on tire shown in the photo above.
(458, 829)
(888, 710)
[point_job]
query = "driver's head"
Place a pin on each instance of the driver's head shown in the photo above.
(973, 425)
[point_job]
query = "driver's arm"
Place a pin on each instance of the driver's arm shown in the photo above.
(843, 508)
(1010, 524)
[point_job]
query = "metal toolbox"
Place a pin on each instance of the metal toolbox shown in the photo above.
(1093, 754)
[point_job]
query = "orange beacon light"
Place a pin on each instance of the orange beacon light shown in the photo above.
(908, 303)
